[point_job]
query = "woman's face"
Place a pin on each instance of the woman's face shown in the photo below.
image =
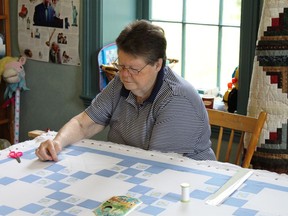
(140, 82)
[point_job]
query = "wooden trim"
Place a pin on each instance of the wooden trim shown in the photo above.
(7, 27)
(92, 25)
(35, 133)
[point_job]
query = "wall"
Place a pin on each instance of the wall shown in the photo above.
(55, 90)
(116, 16)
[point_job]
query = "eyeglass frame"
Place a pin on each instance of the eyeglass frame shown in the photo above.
(133, 72)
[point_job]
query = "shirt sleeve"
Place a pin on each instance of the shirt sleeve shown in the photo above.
(101, 107)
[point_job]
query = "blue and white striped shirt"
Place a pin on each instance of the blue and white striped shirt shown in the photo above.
(172, 119)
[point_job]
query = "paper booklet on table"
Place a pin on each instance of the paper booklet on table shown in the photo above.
(117, 206)
(229, 187)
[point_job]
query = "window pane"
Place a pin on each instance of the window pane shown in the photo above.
(230, 55)
(201, 55)
(198, 12)
(166, 10)
(201, 41)
(231, 12)
(173, 33)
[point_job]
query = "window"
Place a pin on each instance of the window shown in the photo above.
(203, 35)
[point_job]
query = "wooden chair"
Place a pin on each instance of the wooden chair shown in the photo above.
(237, 123)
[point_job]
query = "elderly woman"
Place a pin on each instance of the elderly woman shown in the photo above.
(146, 105)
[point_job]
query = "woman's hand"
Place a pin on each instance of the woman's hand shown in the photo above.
(48, 150)
(82, 123)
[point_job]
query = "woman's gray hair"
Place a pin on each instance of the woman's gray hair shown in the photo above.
(143, 39)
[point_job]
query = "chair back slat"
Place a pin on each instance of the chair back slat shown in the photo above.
(229, 147)
(240, 148)
(219, 142)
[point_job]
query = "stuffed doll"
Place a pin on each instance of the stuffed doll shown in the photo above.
(13, 74)
(232, 97)
(3, 62)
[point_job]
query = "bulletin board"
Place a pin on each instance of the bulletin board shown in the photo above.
(48, 30)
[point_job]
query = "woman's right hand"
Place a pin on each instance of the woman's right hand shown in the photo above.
(48, 150)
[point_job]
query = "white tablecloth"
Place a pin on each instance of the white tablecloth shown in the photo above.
(89, 172)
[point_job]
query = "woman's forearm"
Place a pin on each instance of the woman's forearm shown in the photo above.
(79, 127)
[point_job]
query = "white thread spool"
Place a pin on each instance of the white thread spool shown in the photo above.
(185, 188)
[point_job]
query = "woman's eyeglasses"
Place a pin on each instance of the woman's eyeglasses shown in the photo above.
(129, 69)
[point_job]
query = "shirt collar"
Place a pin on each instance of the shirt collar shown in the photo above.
(159, 80)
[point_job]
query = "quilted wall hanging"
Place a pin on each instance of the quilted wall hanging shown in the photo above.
(269, 87)
(48, 30)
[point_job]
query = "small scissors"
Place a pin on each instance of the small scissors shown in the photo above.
(15, 155)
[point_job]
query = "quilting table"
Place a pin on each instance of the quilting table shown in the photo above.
(89, 172)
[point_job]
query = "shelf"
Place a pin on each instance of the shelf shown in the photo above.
(6, 114)
(4, 121)
(5, 24)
